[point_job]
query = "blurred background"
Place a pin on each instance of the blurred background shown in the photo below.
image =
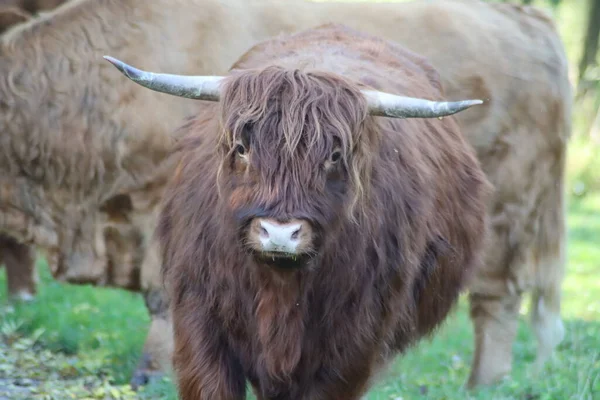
(82, 342)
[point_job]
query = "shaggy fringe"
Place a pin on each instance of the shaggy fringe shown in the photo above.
(311, 109)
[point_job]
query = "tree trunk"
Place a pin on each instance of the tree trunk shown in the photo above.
(595, 129)
(590, 46)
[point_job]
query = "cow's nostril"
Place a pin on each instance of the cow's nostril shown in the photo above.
(264, 232)
(296, 233)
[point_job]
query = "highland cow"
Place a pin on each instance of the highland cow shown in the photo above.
(320, 238)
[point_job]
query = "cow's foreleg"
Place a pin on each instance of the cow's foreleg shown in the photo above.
(206, 368)
(19, 260)
(495, 321)
(157, 354)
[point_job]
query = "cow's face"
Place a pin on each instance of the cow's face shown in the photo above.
(290, 150)
(296, 150)
(81, 256)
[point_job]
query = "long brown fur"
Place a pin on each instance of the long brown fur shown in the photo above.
(66, 147)
(123, 239)
(19, 258)
(377, 283)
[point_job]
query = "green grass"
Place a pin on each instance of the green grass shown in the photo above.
(81, 318)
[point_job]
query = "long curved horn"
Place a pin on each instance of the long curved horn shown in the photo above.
(389, 105)
(191, 87)
(207, 88)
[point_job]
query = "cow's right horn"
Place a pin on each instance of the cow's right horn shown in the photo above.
(191, 87)
(390, 105)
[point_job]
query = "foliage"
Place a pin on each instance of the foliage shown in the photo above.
(29, 370)
(592, 36)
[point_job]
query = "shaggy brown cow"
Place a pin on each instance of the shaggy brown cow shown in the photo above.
(317, 241)
(124, 248)
(520, 135)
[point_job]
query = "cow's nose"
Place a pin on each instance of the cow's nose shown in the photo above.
(280, 237)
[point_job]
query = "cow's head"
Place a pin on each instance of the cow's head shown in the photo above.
(295, 150)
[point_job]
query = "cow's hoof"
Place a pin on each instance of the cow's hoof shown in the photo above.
(22, 296)
(143, 377)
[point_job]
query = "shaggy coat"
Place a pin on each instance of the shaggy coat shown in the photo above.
(398, 221)
(19, 258)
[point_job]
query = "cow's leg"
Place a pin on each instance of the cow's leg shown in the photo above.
(205, 366)
(21, 274)
(495, 321)
(545, 312)
(157, 353)
(495, 314)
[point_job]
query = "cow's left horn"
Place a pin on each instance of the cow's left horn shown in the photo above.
(389, 105)
(191, 87)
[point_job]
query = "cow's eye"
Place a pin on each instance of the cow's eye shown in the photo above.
(240, 149)
(335, 157)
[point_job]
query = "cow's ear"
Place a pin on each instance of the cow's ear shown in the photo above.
(10, 16)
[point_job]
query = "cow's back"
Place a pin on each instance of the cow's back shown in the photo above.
(368, 60)
(520, 134)
(519, 66)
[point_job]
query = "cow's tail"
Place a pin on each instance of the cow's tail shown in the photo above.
(546, 317)
(550, 256)
(551, 243)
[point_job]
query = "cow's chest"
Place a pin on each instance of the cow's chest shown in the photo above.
(274, 338)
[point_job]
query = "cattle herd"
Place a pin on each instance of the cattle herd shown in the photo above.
(306, 188)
